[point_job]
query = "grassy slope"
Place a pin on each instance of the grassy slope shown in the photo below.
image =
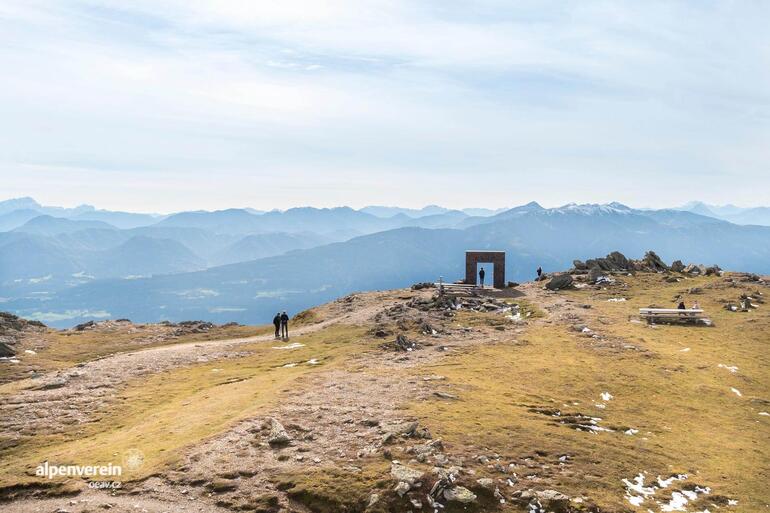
(64, 349)
(164, 413)
(681, 402)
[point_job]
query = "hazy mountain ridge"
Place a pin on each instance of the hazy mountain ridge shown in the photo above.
(531, 235)
(236, 264)
(731, 213)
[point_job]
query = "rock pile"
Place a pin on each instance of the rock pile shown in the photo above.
(616, 262)
(403, 344)
(746, 302)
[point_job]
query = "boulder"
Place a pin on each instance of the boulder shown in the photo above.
(554, 501)
(677, 266)
(579, 265)
(6, 351)
(560, 282)
(486, 482)
(652, 262)
(594, 274)
(459, 494)
(615, 261)
(277, 435)
(404, 474)
(713, 270)
(402, 488)
(691, 269)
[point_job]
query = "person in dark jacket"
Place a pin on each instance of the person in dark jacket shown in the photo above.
(277, 324)
(284, 325)
(539, 272)
(482, 273)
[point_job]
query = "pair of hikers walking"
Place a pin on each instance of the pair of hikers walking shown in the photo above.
(281, 323)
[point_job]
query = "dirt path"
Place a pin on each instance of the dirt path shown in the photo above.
(70, 396)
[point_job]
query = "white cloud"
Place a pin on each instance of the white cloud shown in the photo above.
(364, 96)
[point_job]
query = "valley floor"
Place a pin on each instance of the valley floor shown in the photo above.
(558, 401)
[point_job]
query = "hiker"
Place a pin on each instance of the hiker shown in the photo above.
(284, 325)
(695, 306)
(539, 272)
(681, 306)
(481, 277)
(277, 324)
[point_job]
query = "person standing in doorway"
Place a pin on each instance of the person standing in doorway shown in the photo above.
(284, 325)
(482, 273)
(277, 324)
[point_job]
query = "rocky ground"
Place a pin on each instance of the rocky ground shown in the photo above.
(405, 401)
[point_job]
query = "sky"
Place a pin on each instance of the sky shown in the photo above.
(167, 105)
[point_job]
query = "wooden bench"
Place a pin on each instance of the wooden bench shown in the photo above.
(653, 315)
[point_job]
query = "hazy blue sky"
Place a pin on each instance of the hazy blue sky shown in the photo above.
(166, 105)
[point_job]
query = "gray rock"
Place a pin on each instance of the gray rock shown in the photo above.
(402, 488)
(405, 474)
(677, 266)
(553, 501)
(560, 282)
(277, 435)
(594, 274)
(459, 494)
(486, 482)
(653, 262)
(52, 384)
(6, 351)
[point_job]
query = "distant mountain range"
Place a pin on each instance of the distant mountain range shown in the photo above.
(243, 265)
(738, 215)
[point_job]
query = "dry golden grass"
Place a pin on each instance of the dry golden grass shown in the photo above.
(163, 414)
(681, 401)
(62, 349)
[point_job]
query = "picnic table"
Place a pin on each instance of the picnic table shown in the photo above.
(653, 315)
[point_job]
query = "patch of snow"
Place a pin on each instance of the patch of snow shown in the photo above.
(731, 368)
(686, 349)
(587, 330)
(289, 365)
(665, 483)
(606, 396)
(600, 405)
(313, 361)
(764, 414)
(631, 431)
(293, 345)
(736, 391)
(732, 502)
(616, 299)
(641, 492)
(29, 351)
(677, 503)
